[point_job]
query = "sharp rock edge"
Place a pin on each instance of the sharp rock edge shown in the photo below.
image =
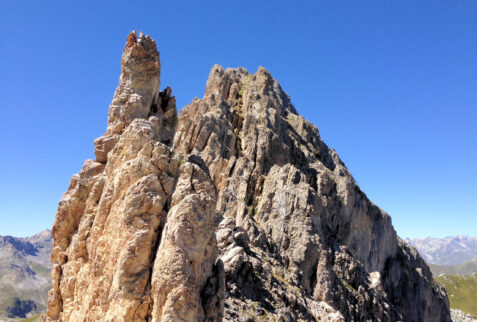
(234, 210)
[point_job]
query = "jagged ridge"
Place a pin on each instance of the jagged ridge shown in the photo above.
(243, 213)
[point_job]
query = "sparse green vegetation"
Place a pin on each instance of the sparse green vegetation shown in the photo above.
(279, 278)
(251, 210)
(31, 319)
(292, 120)
(349, 287)
(466, 268)
(245, 81)
(40, 269)
(461, 290)
(317, 153)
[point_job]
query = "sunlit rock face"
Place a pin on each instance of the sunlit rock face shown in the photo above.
(233, 210)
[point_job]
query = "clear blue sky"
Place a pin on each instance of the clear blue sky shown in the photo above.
(392, 86)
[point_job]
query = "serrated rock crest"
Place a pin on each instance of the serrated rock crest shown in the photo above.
(233, 210)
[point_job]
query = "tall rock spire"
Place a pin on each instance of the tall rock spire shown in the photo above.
(137, 95)
(134, 234)
(138, 85)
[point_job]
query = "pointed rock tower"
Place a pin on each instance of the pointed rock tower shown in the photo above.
(235, 210)
(134, 234)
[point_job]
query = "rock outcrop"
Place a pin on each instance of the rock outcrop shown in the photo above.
(233, 210)
(459, 316)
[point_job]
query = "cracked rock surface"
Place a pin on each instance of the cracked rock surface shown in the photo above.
(233, 210)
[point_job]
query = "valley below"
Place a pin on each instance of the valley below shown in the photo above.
(24, 275)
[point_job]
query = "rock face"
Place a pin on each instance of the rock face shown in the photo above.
(134, 233)
(234, 210)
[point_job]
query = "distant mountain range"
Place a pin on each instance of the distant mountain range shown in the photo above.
(451, 250)
(24, 274)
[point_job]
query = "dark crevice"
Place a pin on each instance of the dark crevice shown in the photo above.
(199, 162)
(153, 107)
(164, 98)
(155, 246)
(232, 168)
(211, 295)
(251, 182)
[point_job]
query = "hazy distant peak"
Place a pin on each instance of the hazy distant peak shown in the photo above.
(43, 236)
(450, 250)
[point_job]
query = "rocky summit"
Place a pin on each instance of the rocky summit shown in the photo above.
(233, 210)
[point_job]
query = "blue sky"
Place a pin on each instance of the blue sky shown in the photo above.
(390, 84)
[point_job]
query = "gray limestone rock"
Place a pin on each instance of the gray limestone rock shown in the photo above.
(296, 231)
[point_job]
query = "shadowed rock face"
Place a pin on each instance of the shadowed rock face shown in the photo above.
(234, 210)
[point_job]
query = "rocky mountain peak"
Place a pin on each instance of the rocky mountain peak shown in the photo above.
(138, 96)
(233, 210)
(42, 237)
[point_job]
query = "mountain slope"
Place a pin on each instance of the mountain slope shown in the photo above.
(24, 274)
(466, 268)
(233, 210)
(462, 291)
(450, 250)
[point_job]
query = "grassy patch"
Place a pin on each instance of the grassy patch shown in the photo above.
(349, 287)
(40, 269)
(31, 319)
(279, 278)
(461, 291)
